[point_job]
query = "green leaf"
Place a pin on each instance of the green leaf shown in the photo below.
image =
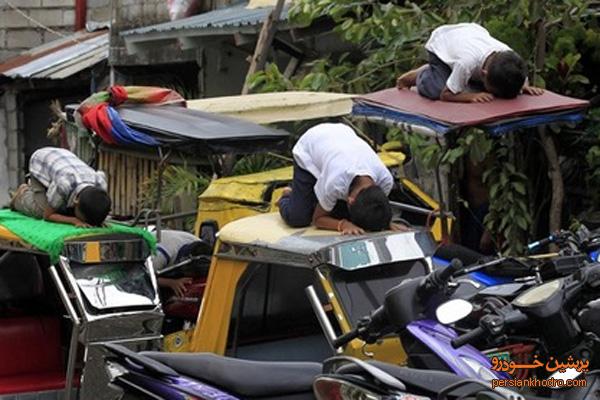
(519, 187)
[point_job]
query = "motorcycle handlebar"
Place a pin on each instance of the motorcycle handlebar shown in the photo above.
(467, 337)
(542, 242)
(364, 328)
(438, 278)
(346, 338)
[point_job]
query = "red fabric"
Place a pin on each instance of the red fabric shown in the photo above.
(465, 114)
(30, 345)
(118, 95)
(94, 113)
(96, 118)
(189, 307)
(34, 382)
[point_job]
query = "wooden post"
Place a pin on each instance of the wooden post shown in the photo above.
(265, 38)
(546, 139)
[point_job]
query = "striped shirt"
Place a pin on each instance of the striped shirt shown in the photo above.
(64, 175)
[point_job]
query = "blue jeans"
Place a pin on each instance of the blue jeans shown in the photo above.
(298, 207)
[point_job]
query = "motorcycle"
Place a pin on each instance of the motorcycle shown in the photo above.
(203, 376)
(560, 317)
(408, 311)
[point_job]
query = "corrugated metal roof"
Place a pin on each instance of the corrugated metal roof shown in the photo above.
(230, 19)
(60, 58)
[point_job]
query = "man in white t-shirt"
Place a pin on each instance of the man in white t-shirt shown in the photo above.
(466, 64)
(339, 183)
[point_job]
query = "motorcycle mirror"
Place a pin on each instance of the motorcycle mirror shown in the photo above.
(453, 311)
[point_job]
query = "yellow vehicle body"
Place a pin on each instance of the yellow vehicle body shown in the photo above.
(265, 237)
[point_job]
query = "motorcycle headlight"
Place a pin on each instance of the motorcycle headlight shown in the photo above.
(538, 294)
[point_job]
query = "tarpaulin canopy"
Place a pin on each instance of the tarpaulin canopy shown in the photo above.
(266, 108)
(198, 131)
(139, 116)
(412, 111)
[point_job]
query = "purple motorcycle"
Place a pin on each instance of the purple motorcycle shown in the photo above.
(201, 376)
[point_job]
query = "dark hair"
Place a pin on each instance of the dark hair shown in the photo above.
(94, 204)
(371, 210)
(506, 74)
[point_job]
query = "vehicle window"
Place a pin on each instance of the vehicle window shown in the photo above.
(361, 291)
(271, 304)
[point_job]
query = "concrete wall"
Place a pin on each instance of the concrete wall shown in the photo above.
(9, 150)
(128, 14)
(98, 10)
(18, 34)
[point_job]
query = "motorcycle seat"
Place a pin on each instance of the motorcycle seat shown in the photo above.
(247, 379)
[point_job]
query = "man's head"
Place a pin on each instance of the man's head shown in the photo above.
(370, 209)
(92, 205)
(504, 74)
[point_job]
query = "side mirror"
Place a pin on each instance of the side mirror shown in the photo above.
(453, 311)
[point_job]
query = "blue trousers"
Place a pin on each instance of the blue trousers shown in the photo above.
(298, 207)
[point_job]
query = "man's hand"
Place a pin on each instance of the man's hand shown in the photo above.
(532, 90)
(481, 97)
(348, 228)
(466, 97)
(178, 286)
(80, 224)
(399, 227)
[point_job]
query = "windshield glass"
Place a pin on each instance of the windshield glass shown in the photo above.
(378, 250)
(118, 285)
(364, 290)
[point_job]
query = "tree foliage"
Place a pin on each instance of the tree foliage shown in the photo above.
(389, 38)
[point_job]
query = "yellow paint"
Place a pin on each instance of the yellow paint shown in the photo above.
(421, 194)
(389, 350)
(178, 342)
(212, 326)
(92, 252)
(5, 234)
(338, 310)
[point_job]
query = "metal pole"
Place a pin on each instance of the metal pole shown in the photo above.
(64, 296)
(415, 209)
(321, 316)
(438, 179)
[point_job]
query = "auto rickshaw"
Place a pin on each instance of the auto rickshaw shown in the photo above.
(63, 296)
(230, 198)
(257, 247)
(255, 303)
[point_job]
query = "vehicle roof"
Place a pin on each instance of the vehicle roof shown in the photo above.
(251, 187)
(267, 238)
(265, 108)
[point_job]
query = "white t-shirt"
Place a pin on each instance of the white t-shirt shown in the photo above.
(335, 155)
(464, 47)
(171, 242)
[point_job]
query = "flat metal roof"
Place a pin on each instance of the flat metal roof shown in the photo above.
(226, 21)
(60, 58)
(230, 17)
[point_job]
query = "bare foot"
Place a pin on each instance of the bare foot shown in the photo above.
(404, 81)
(409, 79)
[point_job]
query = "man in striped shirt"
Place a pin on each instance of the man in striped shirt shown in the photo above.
(63, 189)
